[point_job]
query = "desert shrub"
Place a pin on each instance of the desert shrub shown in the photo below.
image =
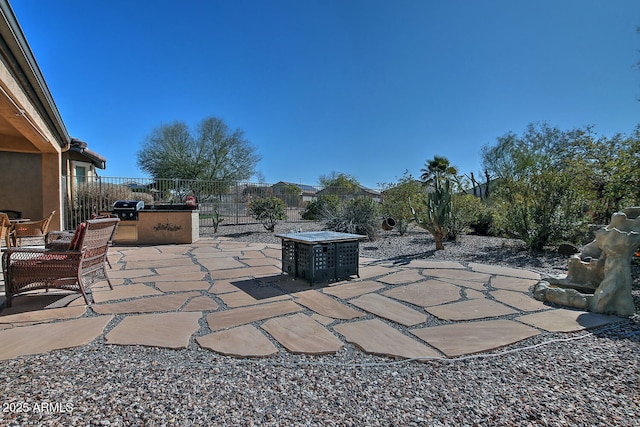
(402, 225)
(395, 202)
(94, 198)
(465, 209)
(290, 194)
(357, 216)
(482, 224)
(547, 180)
(540, 211)
(323, 206)
(268, 211)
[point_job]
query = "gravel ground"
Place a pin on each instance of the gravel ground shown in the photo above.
(419, 244)
(583, 379)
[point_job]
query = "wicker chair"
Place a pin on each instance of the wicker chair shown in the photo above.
(12, 214)
(6, 229)
(74, 268)
(31, 229)
(61, 239)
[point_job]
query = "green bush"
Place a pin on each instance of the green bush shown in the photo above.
(539, 211)
(483, 222)
(402, 225)
(322, 207)
(357, 216)
(268, 211)
(548, 181)
(465, 210)
(395, 202)
(290, 194)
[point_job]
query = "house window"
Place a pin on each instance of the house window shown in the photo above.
(80, 173)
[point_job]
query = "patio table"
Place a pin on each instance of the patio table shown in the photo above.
(321, 256)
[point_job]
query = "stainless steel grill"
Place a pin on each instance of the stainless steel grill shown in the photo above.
(127, 210)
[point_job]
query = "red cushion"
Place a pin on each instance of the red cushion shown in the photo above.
(77, 237)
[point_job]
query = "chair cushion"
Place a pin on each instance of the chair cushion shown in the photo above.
(77, 237)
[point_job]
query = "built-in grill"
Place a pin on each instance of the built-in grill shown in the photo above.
(127, 210)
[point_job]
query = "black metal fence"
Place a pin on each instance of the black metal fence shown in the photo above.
(229, 200)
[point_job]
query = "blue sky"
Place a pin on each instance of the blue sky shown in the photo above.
(365, 87)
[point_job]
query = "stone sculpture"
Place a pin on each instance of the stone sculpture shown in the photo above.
(599, 278)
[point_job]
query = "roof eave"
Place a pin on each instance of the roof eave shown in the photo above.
(25, 67)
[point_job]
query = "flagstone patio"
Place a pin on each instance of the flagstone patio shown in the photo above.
(230, 297)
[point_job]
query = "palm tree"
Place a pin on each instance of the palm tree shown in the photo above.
(437, 170)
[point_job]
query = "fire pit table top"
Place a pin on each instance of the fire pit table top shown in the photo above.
(312, 237)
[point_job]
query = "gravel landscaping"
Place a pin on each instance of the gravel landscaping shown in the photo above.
(590, 378)
(417, 243)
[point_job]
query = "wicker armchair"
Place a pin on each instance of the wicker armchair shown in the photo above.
(6, 229)
(74, 268)
(12, 214)
(31, 229)
(61, 239)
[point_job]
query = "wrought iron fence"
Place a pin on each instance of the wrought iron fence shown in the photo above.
(228, 199)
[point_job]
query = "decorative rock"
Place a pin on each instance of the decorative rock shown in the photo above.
(605, 263)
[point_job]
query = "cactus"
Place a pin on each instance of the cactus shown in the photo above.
(217, 219)
(437, 212)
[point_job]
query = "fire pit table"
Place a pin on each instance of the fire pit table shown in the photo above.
(320, 256)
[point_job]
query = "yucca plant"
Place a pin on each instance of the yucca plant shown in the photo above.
(357, 216)
(435, 213)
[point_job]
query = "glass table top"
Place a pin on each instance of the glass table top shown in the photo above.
(321, 237)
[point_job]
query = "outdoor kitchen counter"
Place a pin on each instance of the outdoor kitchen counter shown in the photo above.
(161, 226)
